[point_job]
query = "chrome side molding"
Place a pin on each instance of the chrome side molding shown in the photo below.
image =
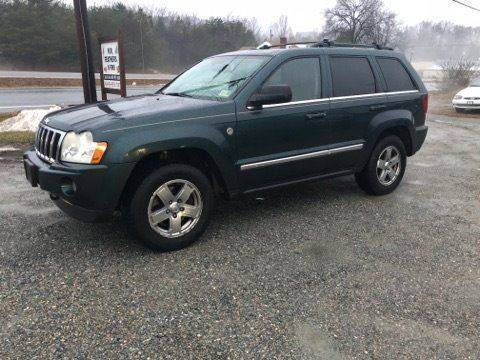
(351, 97)
(261, 164)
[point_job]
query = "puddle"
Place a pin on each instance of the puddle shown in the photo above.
(420, 164)
(416, 182)
(8, 148)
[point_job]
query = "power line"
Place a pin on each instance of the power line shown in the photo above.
(469, 6)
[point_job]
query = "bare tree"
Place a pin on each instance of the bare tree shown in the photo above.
(281, 27)
(459, 73)
(358, 21)
(253, 25)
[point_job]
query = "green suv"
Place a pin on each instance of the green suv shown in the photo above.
(234, 123)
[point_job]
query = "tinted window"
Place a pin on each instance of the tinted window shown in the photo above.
(351, 76)
(303, 77)
(395, 75)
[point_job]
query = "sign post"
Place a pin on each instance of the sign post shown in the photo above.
(85, 51)
(112, 71)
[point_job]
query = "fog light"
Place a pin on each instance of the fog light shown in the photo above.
(68, 187)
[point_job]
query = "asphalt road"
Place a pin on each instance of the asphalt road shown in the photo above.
(318, 271)
(73, 75)
(15, 99)
(12, 99)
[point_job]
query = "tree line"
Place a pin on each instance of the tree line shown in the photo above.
(42, 34)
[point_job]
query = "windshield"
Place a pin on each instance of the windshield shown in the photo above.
(216, 78)
(475, 83)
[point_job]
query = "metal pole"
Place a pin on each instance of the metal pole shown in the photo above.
(85, 51)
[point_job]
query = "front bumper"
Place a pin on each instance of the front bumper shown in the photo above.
(466, 104)
(419, 138)
(86, 192)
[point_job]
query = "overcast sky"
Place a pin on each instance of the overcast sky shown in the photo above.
(305, 15)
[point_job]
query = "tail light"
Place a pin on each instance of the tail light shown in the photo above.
(425, 104)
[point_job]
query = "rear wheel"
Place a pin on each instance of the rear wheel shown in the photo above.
(171, 207)
(385, 168)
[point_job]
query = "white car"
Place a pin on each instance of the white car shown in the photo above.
(469, 98)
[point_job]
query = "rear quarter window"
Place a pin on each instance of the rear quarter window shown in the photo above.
(395, 74)
(351, 76)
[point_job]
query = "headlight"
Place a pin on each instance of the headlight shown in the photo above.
(458, 97)
(80, 148)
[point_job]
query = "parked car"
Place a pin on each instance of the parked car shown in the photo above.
(468, 98)
(235, 123)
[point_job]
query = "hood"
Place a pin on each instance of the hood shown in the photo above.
(472, 91)
(133, 111)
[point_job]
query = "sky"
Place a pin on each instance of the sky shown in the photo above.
(307, 15)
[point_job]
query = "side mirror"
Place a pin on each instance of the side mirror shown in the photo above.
(271, 94)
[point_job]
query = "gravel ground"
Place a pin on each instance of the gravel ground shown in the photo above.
(318, 271)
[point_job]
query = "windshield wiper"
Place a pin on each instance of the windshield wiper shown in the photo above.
(180, 94)
(230, 83)
(221, 70)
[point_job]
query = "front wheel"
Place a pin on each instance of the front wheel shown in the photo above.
(171, 207)
(385, 168)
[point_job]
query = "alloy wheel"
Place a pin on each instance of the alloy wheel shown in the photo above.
(389, 166)
(175, 208)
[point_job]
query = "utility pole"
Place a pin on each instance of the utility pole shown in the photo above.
(85, 51)
(141, 41)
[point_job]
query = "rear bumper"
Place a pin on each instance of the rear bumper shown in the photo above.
(419, 138)
(85, 192)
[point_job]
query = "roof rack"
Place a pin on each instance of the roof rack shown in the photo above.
(328, 43)
(266, 47)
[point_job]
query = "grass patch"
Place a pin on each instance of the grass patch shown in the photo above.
(17, 138)
(5, 117)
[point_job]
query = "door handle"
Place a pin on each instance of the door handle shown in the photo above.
(378, 107)
(317, 116)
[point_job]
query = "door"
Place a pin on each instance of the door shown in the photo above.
(402, 92)
(356, 98)
(284, 142)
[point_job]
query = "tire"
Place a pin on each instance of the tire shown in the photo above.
(383, 178)
(460, 111)
(180, 222)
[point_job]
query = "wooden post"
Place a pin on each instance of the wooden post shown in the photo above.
(121, 53)
(85, 51)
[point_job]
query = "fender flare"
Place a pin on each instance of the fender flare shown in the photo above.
(135, 148)
(383, 122)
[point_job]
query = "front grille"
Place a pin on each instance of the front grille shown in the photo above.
(48, 142)
(472, 98)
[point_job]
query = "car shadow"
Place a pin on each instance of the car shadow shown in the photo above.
(69, 236)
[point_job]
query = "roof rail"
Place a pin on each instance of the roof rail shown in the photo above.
(328, 43)
(264, 46)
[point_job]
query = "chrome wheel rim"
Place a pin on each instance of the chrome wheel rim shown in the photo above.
(175, 208)
(389, 165)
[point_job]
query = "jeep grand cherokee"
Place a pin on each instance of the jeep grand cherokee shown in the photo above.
(234, 123)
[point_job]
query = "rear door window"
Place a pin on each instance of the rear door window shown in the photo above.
(303, 77)
(351, 76)
(395, 75)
